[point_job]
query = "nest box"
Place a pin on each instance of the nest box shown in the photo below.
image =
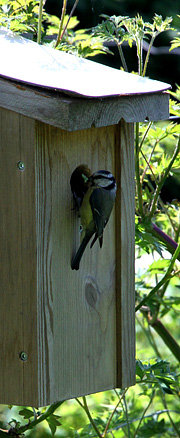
(65, 333)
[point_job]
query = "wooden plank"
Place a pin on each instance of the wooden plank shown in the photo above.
(80, 306)
(125, 248)
(66, 321)
(76, 113)
(78, 334)
(18, 379)
(45, 291)
(66, 72)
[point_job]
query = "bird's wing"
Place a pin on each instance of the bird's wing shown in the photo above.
(101, 204)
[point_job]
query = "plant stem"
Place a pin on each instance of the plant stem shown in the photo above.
(170, 244)
(166, 277)
(140, 58)
(153, 291)
(86, 409)
(38, 420)
(39, 21)
(63, 13)
(167, 338)
(127, 418)
(148, 54)
(159, 187)
(70, 15)
(148, 163)
(143, 415)
(121, 54)
(61, 30)
(147, 332)
(170, 418)
(113, 412)
(145, 135)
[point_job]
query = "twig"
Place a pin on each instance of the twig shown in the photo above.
(148, 54)
(170, 418)
(86, 409)
(63, 13)
(121, 54)
(39, 419)
(127, 418)
(143, 415)
(170, 244)
(145, 135)
(167, 338)
(113, 412)
(70, 15)
(39, 21)
(148, 333)
(159, 187)
(61, 30)
(166, 277)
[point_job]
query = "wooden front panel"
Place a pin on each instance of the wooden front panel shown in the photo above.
(77, 328)
(18, 305)
(78, 334)
(125, 254)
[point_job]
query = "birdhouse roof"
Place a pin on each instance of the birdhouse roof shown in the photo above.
(39, 65)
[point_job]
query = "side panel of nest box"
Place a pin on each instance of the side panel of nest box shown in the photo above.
(76, 328)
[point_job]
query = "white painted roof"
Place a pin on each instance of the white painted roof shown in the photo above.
(40, 65)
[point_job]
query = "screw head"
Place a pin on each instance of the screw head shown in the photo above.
(23, 356)
(21, 165)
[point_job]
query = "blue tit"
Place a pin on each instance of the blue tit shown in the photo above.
(95, 210)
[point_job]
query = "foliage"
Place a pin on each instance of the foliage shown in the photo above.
(20, 15)
(120, 29)
(175, 43)
(152, 407)
(23, 16)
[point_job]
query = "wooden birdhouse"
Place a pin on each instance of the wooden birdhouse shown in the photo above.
(65, 333)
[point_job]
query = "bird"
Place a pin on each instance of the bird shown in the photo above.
(95, 210)
(79, 184)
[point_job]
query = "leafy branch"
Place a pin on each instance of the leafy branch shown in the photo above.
(160, 184)
(48, 415)
(84, 405)
(165, 278)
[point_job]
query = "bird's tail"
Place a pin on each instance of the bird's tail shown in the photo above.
(77, 258)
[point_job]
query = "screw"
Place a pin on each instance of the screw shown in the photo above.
(21, 165)
(23, 356)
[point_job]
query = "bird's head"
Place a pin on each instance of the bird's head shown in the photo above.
(104, 179)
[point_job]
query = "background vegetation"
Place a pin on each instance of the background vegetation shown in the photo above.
(152, 407)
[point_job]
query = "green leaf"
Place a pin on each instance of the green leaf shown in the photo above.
(159, 265)
(140, 369)
(26, 413)
(152, 428)
(53, 422)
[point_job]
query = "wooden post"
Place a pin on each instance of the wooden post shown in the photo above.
(65, 333)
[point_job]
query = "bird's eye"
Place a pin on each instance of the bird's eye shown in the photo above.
(80, 228)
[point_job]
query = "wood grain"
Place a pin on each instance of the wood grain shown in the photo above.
(69, 323)
(125, 256)
(77, 328)
(84, 314)
(72, 113)
(18, 309)
(77, 308)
